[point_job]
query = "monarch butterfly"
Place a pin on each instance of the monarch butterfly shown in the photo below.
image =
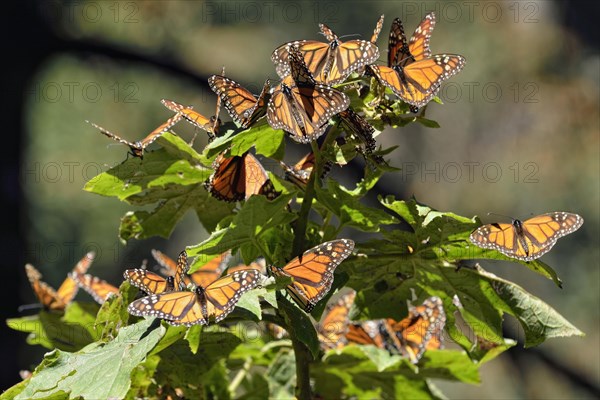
(529, 239)
(57, 299)
(312, 272)
(148, 281)
(302, 107)
(300, 172)
(244, 108)
(333, 326)
(137, 148)
(421, 330)
(412, 72)
(238, 177)
(330, 63)
(200, 306)
(98, 288)
(203, 276)
(210, 125)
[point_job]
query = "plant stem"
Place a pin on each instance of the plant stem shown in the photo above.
(309, 193)
(303, 359)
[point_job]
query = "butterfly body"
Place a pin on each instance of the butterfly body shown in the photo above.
(312, 272)
(529, 239)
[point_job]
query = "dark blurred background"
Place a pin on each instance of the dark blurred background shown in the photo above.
(519, 136)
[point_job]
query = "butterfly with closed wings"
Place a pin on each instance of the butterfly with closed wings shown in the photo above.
(237, 178)
(529, 239)
(412, 73)
(209, 125)
(302, 107)
(137, 148)
(57, 300)
(312, 272)
(242, 106)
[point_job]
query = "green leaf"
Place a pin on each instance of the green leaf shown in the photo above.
(281, 375)
(142, 378)
(173, 203)
(113, 313)
(427, 122)
(538, 319)
(257, 215)
(69, 331)
(77, 373)
(350, 210)
(352, 373)
(144, 177)
(300, 326)
(266, 140)
(190, 372)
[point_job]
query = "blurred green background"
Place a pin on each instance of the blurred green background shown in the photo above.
(519, 136)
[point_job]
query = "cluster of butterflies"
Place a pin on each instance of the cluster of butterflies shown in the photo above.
(304, 100)
(57, 300)
(207, 295)
(421, 330)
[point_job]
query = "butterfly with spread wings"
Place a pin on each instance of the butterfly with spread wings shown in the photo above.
(302, 107)
(421, 330)
(242, 106)
(137, 148)
(201, 306)
(236, 178)
(312, 272)
(412, 73)
(529, 239)
(330, 63)
(98, 288)
(333, 326)
(57, 300)
(209, 125)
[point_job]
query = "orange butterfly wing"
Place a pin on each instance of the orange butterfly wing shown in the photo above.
(526, 240)
(365, 333)
(44, 292)
(98, 288)
(312, 272)
(418, 45)
(210, 271)
(68, 289)
(167, 264)
(209, 125)
(333, 327)
(148, 281)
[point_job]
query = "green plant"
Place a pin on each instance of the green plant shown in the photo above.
(107, 353)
